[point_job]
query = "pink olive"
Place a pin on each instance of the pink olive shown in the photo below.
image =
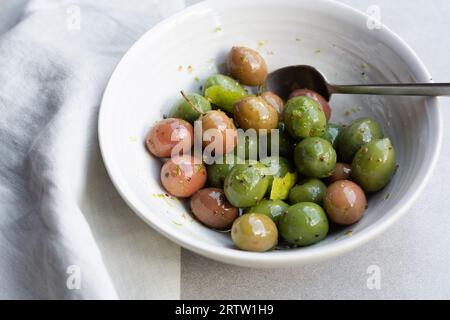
(342, 171)
(345, 202)
(211, 207)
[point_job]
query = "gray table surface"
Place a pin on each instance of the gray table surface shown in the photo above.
(413, 256)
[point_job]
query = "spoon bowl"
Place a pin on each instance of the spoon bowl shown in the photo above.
(285, 80)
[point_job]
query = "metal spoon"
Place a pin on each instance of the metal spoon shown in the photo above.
(284, 81)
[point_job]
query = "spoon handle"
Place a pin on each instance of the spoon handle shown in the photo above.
(410, 89)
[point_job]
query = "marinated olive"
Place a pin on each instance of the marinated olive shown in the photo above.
(277, 168)
(254, 175)
(332, 134)
(314, 95)
(342, 171)
(271, 208)
(249, 150)
(345, 202)
(217, 172)
(217, 125)
(182, 176)
(211, 207)
(275, 101)
(190, 107)
(255, 113)
(374, 165)
(223, 91)
(285, 142)
(360, 132)
(304, 118)
(246, 184)
(312, 190)
(303, 224)
(254, 232)
(166, 134)
(247, 66)
(315, 158)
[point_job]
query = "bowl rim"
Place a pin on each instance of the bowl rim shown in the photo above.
(287, 258)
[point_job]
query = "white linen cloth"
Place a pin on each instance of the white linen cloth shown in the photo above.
(54, 66)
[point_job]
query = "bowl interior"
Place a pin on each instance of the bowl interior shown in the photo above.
(182, 51)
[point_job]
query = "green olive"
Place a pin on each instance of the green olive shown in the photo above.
(358, 133)
(271, 208)
(285, 142)
(223, 92)
(374, 165)
(255, 113)
(218, 171)
(316, 96)
(190, 107)
(254, 232)
(312, 190)
(304, 224)
(304, 118)
(248, 150)
(332, 133)
(279, 167)
(246, 184)
(315, 158)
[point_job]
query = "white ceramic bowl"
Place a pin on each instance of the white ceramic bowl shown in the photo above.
(182, 51)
